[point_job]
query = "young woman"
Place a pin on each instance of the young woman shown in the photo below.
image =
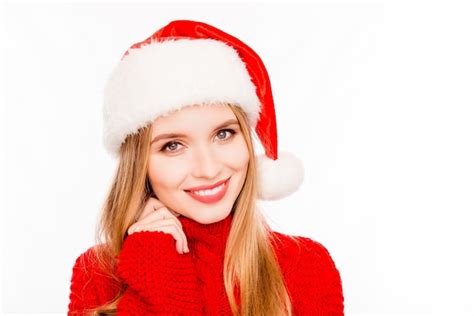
(182, 233)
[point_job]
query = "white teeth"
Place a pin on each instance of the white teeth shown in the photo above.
(209, 192)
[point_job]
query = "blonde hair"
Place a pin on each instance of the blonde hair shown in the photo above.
(249, 263)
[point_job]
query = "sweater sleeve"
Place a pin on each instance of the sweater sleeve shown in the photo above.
(159, 279)
(317, 285)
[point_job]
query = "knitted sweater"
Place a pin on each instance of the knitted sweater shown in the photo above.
(160, 281)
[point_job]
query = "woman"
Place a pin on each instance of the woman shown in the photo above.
(183, 234)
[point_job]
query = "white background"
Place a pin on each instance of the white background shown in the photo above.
(375, 97)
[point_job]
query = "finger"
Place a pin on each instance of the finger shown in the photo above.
(176, 214)
(162, 220)
(156, 203)
(162, 214)
(156, 220)
(150, 216)
(159, 223)
(170, 229)
(172, 221)
(151, 205)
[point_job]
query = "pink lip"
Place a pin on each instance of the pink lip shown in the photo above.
(207, 187)
(211, 198)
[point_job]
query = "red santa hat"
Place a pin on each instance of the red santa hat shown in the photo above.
(186, 63)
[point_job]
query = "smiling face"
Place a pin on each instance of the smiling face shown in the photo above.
(206, 147)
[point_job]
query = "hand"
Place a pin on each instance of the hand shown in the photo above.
(156, 217)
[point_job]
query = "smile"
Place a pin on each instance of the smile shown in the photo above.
(212, 195)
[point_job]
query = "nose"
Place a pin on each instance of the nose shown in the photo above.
(206, 163)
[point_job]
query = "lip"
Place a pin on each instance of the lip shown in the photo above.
(207, 187)
(211, 198)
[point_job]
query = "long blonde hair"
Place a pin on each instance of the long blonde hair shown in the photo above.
(249, 263)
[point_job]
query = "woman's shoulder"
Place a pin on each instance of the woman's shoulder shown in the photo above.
(88, 263)
(95, 262)
(310, 274)
(91, 282)
(300, 251)
(88, 260)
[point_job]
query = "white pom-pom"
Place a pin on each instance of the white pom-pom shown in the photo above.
(279, 178)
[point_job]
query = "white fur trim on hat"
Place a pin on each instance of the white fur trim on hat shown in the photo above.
(161, 77)
(278, 178)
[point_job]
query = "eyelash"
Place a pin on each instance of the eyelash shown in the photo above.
(231, 131)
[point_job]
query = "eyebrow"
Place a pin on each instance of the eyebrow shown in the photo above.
(177, 135)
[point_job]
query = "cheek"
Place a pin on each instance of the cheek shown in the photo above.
(237, 156)
(165, 175)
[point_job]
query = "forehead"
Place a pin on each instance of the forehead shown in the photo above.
(193, 118)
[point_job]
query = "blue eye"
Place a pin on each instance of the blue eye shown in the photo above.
(172, 146)
(231, 131)
(168, 145)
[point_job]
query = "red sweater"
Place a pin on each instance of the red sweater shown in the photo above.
(162, 281)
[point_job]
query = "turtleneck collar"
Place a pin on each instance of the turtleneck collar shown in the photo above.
(213, 234)
(207, 245)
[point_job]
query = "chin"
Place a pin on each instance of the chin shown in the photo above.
(204, 218)
(208, 213)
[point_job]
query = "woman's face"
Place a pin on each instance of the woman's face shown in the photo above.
(207, 148)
